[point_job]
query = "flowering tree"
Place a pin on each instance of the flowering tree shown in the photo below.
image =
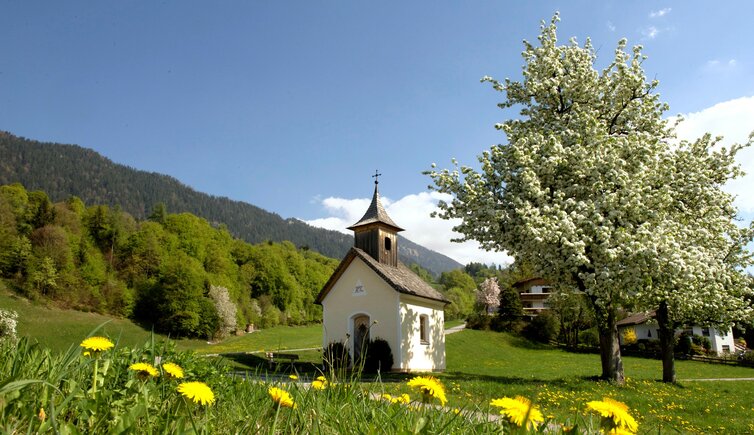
(226, 310)
(489, 295)
(8, 322)
(574, 192)
(695, 256)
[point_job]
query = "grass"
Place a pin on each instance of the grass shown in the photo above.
(58, 329)
(502, 365)
(562, 382)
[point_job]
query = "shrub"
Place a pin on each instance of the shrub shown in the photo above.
(500, 324)
(629, 336)
(479, 321)
(589, 337)
(703, 342)
(379, 356)
(683, 346)
(336, 357)
(748, 357)
(543, 328)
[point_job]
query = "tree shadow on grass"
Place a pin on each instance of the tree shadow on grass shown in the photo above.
(524, 343)
(510, 380)
(259, 364)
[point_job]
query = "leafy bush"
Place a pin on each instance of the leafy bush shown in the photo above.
(479, 321)
(683, 346)
(589, 337)
(336, 357)
(702, 342)
(748, 357)
(629, 336)
(543, 328)
(379, 356)
(500, 324)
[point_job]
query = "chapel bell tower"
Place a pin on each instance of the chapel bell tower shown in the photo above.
(377, 234)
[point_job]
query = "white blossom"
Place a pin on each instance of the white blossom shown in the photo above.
(589, 191)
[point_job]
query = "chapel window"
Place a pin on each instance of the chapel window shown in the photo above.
(424, 328)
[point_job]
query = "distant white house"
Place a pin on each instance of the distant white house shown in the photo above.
(646, 328)
(534, 293)
(371, 294)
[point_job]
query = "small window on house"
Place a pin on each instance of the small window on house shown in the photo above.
(705, 332)
(649, 333)
(388, 243)
(424, 329)
(726, 348)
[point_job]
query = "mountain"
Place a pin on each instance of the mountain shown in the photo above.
(65, 170)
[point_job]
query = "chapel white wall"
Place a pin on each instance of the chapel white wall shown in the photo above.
(378, 300)
(415, 356)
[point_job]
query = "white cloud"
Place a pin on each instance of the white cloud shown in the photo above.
(734, 120)
(650, 32)
(611, 26)
(660, 13)
(411, 212)
(717, 66)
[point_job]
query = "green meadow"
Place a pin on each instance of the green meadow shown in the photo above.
(480, 366)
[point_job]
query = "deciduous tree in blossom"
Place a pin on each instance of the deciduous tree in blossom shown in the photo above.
(489, 295)
(584, 188)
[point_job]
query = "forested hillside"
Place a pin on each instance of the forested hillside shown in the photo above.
(65, 170)
(175, 271)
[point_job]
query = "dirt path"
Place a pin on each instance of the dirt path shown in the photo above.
(455, 329)
(715, 379)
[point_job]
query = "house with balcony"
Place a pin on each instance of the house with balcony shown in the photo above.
(534, 293)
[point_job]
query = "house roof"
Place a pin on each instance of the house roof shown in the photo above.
(375, 214)
(531, 282)
(400, 278)
(636, 319)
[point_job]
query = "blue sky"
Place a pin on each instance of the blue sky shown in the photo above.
(292, 106)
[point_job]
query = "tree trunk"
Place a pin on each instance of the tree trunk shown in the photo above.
(612, 364)
(667, 333)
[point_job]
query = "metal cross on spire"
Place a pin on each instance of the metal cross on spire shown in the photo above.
(376, 174)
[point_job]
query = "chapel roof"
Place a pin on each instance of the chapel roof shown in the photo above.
(400, 278)
(375, 214)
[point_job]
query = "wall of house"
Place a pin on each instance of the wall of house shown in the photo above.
(361, 291)
(417, 356)
(718, 339)
(650, 331)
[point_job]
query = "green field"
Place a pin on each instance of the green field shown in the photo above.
(559, 382)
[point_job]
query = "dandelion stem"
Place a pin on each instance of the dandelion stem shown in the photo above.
(94, 378)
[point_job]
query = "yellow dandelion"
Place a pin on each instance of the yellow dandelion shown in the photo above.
(430, 387)
(87, 353)
(321, 379)
(281, 397)
(404, 399)
(199, 392)
(387, 397)
(143, 370)
(293, 377)
(519, 411)
(318, 384)
(97, 344)
(173, 370)
(614, 414)
(42, 416)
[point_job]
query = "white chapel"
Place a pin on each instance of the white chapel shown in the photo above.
(373, 295)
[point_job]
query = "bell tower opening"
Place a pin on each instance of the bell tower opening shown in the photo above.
(375, 233)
